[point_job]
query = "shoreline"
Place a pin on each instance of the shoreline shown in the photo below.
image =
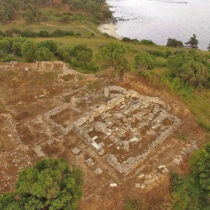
(110, 29)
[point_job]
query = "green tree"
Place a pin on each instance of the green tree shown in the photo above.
(43, 54)
(174, 43)
(28, 50)
(49, 44)
(113, 55)
(82, 54)
(5, 46)
(193, 42)
(209, 47)
(145, 61)
(50, 184)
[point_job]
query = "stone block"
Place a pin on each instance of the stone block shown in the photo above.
(90, 162)
(75, 151)
(113, 185)
(98, 171)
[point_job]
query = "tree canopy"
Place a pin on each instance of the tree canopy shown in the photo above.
(113, 55)
(50, 184)
(193, 42)
(28, 50)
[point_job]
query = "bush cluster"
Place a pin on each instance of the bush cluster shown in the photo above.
(50, 184)
(191, 67)
(144, 61)
(22, 49)
(42, 33)
(192, 191)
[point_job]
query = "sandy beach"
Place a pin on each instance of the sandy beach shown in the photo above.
(109, 29)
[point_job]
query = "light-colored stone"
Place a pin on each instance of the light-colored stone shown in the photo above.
(143, 186)
(113, 185)
(98, 171)
(75, 151)
(137, 185)
(141, 176)
(90, 162)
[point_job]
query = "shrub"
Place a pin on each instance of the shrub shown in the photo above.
(44, 33)
(112, 54)
(147, 42)
(66, 57)
(91, 68)
(126, 39)
(82, 54)
(194, 73)
(174, 43)
(5, 45)
(43, 54)
(9, 58)
(16, 46)
(191, 67)
(28, 51)
(192, 191)
(145, 61)
(28, 33)
(65, 19)
(200, 169)
(50, 45)
(58, 33)
(157, 53)
(69, 33)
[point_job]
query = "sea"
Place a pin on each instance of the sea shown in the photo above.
(158, 20)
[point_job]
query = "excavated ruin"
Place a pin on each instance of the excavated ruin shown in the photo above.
(113, 131)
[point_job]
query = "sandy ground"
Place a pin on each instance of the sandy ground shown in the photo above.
(109, 29)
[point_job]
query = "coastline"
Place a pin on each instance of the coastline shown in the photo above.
(110, 29)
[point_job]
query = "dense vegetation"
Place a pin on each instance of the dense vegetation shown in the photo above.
(32, 10)
(192, 68)
(145, 61)
(42, 33)
(174, 43)
(50, 184)
(20, 49)
(193, 191)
